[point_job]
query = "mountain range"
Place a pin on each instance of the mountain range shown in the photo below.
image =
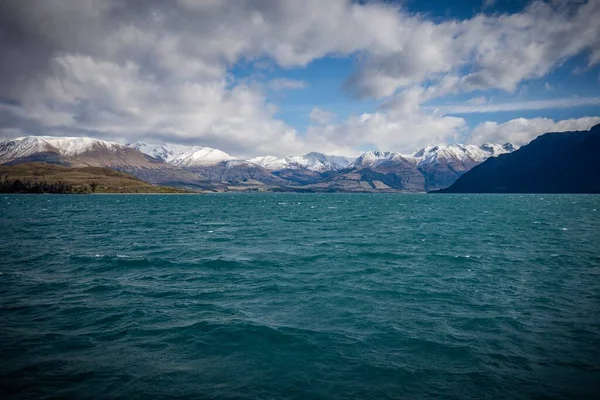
(428, 168)
(555, 162)
(204, 168)
(82, 152)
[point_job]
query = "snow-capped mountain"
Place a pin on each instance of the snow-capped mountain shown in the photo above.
(442, 165)
(313, 161)
(183, 156)
(373, 159)
(211, 164)
(166, 151)
(433, 155)
(431, 167)
(195, 156)
(203, 156)
(320, 162)
(83, 151)
(471, 153)
(273, 163)
(62, 146)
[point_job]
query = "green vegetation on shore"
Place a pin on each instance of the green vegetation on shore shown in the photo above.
(38, 177)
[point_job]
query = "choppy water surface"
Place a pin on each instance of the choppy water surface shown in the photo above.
(300, 296)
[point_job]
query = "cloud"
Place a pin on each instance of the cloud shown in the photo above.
(477, 101)
(486, 52)
(102, 98)
(472, 108)
(321, 116)
(153, 70)
(521, 130)
(387, 131)
(488, 3)
(284, 83)
(408, 132)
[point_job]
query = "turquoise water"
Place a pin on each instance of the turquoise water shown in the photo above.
(300, 296)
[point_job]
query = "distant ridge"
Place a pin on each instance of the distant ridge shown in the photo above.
(205, 168)
(89, 152)
(556, 162)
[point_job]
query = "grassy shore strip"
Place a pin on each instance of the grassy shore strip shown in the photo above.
(49, 178)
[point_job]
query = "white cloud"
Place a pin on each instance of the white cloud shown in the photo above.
(488, 3)
(409, 132)
(321, 116)
(477, 101)
(471, 108)
(152, 70)
(499, 50)
(521, 130)
(114, 100)
(387, 131)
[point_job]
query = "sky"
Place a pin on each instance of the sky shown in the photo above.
(286, 77)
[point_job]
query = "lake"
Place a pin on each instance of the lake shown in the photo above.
(299, 296)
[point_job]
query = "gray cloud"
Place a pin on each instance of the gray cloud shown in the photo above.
(321, 116)
(500, 50)
(479, 105)
(521, 131)
(158, 70)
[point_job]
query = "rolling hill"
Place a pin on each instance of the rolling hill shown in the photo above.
(38, 177)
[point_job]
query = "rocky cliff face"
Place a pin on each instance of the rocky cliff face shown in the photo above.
(388, 171)
(444, 172)
(237, 172)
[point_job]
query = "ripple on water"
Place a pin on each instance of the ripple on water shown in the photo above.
(300, 296)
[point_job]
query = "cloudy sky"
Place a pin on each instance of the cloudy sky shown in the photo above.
(256, 77)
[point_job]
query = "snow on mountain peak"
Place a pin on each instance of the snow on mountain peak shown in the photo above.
(65, 146)
(71, 146)
(191, 156)
(509, 147)
(313, 161)
(166, 151)
(431, 154)
(373, 158)
(202, 156)
(320, 162)
(492, 148)
(378, 154)
(273, 163)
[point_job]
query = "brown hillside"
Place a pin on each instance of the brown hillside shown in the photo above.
(82, 179)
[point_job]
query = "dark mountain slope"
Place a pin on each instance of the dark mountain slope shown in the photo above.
(565, 162)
